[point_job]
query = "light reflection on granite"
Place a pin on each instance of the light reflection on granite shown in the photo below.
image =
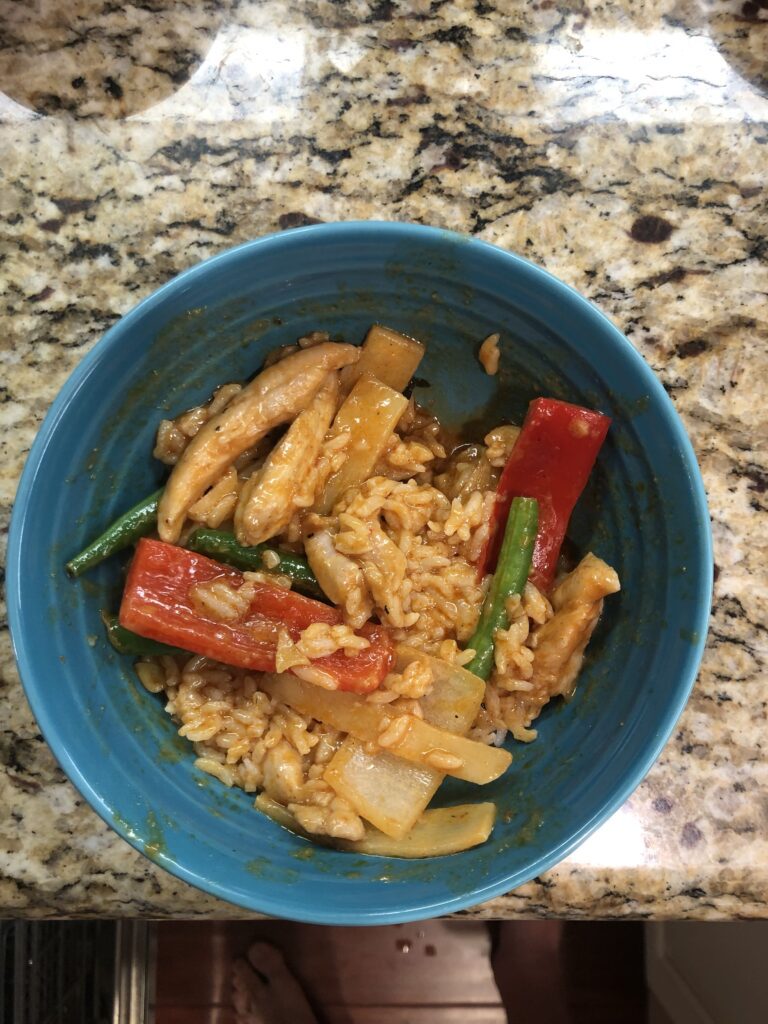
(94, 59)
(622, 146)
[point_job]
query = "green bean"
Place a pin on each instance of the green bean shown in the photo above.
(223, 547)
(511, 573)
(135, 523)
(126, 642)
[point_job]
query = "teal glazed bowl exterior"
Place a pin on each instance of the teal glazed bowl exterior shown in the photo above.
(644, 512)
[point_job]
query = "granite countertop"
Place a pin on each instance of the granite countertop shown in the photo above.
(622, 145)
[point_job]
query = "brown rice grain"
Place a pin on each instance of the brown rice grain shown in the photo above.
(489, 354)
(443, 761)
(394, 733)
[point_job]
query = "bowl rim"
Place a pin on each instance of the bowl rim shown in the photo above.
(264, 902)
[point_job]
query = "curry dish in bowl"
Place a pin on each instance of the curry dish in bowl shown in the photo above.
(342, 603)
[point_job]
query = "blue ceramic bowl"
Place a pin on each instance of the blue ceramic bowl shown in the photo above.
(645, 512)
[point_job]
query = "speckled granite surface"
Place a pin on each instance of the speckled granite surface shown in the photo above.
(621, 145)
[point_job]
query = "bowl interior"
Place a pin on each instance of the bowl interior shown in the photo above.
(644, 512)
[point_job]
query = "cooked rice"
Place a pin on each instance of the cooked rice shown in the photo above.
(418, 425)
(402, 548)
(245, 738)
(450, 652)
(272, 579)
(318, 640)
(443, 761)
(270, 559)
(315, 675)
(499, 444)
(221, 600)
(414, 681)
(393, 732)
(417, 553)
(404, 459)
(489, 354)
(512, 699)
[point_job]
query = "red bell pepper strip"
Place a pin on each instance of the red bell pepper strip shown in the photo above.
(551, 462)
(157, 604)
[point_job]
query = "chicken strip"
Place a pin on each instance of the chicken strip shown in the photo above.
(267, 501)
(384, 566)
(382, 563)
(272, 398)
(560, 643)
(339, 577)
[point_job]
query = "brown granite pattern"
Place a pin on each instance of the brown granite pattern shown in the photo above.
(623, 146)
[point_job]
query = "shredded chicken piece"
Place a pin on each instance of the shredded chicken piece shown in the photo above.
(382, 561)
(339, 577)
(540, 654)
(268, 499)
(560, 643)
(219, 502)
(173, 436)
(339, 820)
(283, 772)
(275, 396)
